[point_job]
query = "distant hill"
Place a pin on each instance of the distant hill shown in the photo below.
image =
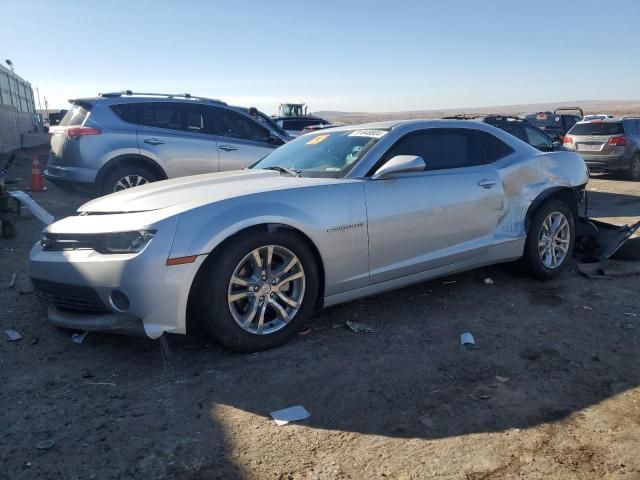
(613, 107)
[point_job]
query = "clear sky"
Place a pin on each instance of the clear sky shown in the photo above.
(335, 55)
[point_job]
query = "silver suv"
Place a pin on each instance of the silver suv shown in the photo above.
(610, 144)
(121, 140)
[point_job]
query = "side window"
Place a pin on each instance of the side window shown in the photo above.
(292, 125)
(160, 115)
(227, 123)
(441, 148)
(493, 148)
(514, 129)
(193, 119)
(537, 138)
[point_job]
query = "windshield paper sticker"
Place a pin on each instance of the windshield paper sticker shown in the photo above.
(368, 133)
(317, 140)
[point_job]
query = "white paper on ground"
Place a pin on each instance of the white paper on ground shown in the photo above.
(467, 339)
(291, 414)
(38, 212)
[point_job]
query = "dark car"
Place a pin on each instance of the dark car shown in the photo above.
(557, 123)
(517, 127)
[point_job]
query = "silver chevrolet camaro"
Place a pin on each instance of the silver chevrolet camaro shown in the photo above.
(332, 216)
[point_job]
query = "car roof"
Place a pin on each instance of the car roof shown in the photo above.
(603, 120)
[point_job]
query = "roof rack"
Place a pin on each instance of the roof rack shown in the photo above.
(129, 93)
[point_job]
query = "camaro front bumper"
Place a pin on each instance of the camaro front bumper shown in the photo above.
(124, 293)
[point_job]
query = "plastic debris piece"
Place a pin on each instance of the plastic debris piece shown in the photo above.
(587, 307)
(290, 414)
(502, 379)
(12, 335)
(467, 339)
(12, 282)
(306, 331)
(449, 282)
(484, 397)
(79, 337)
(488, 281)
(358, 327)
(629, 314)
(38, 212)
(45, 444)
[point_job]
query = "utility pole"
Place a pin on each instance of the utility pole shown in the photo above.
(39, 104)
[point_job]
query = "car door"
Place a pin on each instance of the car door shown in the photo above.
(443, 215)
(175, 135)
(241, 140)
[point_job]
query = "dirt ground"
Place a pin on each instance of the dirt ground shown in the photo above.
(403, 402)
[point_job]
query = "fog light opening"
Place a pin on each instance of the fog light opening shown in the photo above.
(119, 301)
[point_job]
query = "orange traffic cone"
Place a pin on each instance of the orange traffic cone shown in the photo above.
(37, 182)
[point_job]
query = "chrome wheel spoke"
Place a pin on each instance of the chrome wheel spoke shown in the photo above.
(263, 310)
(239, 281)
(249, 316)
(238, 296)
(289, 301)
(281, 312)
(554, 240)
(290, 278)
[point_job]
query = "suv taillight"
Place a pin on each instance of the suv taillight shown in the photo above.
(77, 132)
(618, 141)
(568, 140)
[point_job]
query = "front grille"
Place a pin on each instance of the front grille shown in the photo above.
(70, 297)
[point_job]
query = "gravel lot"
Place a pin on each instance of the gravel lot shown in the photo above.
(405, 401)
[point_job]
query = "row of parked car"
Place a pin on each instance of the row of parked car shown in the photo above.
(121, 140)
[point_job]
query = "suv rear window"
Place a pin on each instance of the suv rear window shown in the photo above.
(492, 147)
(76, 116)
(597, 128)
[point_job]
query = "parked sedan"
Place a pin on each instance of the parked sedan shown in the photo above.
(329, 217)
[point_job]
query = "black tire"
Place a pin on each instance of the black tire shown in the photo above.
(8, 229)
(634, 170)
(213, 310)
(112, 178)
(531, 260)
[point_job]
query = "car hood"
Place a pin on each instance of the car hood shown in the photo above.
(190, 192)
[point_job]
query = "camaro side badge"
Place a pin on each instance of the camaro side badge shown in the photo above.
(341, 228)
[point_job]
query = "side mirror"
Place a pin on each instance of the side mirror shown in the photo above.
(555, 144)
(400, 164)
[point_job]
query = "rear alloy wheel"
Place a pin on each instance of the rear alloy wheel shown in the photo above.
(260, 290)
(125, 177)
(550, 240)
(634, 171)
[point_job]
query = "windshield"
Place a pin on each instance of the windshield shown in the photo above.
(545, 120)
(326, 154)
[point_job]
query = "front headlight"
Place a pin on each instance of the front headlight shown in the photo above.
(124, 242)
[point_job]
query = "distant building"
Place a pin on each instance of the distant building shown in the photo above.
(17, 110)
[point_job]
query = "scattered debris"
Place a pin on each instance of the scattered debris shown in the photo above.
(12, 335)
(306, 331)
(291, 414)
(110, 384)
(484, 397)
(609, 269)
(587, 307)
(629, 314)
(466, 339)
(60, 394)
(488, 281)
(358, 327)
(12, 282)
(79, 337)
(45, 444)
(502, 379)
(449, 282)
(628, 326)
(595, 357)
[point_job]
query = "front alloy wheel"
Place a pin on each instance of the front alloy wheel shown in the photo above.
(257, 289)
(129, 181)
(266, 290)
(554, 240)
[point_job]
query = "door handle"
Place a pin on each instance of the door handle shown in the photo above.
(227, 148)
(487, 182)
(153, 141)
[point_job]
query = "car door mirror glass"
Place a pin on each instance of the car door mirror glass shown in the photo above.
(400, 164)
(555, 144)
